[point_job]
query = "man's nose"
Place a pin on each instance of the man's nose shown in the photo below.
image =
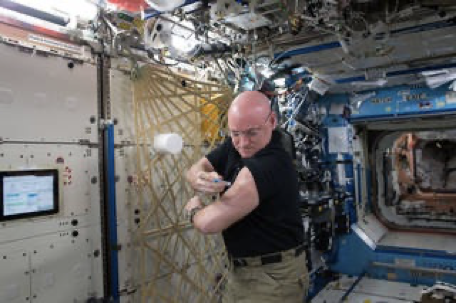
(244, 140)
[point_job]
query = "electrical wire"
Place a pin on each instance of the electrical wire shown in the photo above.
(298, 107)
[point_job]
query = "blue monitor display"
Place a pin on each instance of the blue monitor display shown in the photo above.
(28, 193)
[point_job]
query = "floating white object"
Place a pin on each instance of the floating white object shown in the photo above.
(168, 143)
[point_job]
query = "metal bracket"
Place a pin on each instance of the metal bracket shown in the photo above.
(104, 123)
(84, 142)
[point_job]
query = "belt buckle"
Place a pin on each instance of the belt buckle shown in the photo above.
(269, 259)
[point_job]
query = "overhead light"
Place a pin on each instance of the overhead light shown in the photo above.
(82, 9)
(377, 83)
(434, 72)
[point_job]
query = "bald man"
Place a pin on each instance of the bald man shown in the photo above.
(258, 214)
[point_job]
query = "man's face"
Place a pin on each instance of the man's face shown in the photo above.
(250, 134)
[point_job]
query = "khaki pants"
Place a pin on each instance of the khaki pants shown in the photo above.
(286, 281)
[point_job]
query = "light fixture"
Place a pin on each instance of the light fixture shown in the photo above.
(375, 83)
(84, 10)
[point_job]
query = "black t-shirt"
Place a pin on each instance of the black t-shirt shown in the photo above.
(275, 225)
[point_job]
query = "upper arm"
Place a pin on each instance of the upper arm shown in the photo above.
(267, 174)
(242, 198)
(237, 202)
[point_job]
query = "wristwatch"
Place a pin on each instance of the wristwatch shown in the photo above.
(193, 211)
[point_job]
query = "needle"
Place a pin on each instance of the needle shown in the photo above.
(217, 180)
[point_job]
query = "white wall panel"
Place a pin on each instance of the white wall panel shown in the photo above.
(46, 108)
(42, 99)
(61, 270)
(15, 276)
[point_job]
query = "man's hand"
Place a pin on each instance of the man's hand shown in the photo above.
(203, 178)
(193, 203)
(208, 182)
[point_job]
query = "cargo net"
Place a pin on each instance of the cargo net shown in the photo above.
(176, 263)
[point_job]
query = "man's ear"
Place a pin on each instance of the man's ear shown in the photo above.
(274, 119)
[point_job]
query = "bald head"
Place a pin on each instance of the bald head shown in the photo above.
(251, 122)
(250, 104)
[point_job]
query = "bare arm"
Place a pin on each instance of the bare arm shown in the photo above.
(237, 202)
(202, 176)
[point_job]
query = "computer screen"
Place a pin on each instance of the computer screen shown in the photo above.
(28, 193)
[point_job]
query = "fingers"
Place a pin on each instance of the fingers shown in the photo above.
(208, 176)
(193, 203)
(209, 182)
(209, 187)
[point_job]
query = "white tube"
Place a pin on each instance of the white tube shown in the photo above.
(168, 143)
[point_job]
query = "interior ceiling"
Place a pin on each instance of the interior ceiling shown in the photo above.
(370, 41)
(351, 45)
